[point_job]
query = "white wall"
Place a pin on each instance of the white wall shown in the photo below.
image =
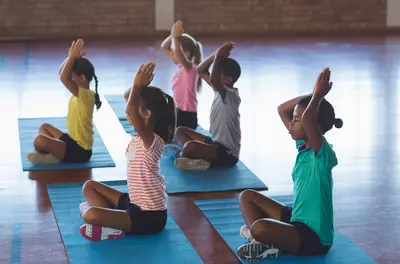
(393, 13)
(165, 14)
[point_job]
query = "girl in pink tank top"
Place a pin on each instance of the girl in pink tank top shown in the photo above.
(186, 52)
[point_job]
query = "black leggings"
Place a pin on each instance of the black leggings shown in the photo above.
(142, 222)
(187, 119)
(74, 153)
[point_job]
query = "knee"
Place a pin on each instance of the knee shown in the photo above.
(39, 141)
(246, 195)
(43, 126)
(91, 215)
(180, 131)
(189, 149)
(259, 229)
(88, 187)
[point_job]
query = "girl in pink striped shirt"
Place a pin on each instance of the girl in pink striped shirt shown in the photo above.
(185, 51)
(110, 214)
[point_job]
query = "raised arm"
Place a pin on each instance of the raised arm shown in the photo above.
(203, 69)
(285, 110)
(310, 115)
(143, 78)
(177, 31)
(215, 78)
(166, 46)
(62, 66)
(66, 71)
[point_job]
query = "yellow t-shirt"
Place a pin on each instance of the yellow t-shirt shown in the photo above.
(80, 118)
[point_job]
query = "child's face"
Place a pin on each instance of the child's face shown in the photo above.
(175, 59)
(131, 118)
(129, 113)
(226, 80)
(78, 79)
(296, 129)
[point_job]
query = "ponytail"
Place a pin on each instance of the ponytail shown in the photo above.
(83, 66)
(96, 96)
(198, 53)
(163, 112)
(197, 58)
(189, 44)
(170, 116)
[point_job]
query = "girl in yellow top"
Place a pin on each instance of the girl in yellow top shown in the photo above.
(52, 145)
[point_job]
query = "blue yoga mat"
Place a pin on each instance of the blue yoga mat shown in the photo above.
(212, 180)
(28, 130)
(215, 179)
(118, 104)
(178, 181)
(169, 246)
(225, 216)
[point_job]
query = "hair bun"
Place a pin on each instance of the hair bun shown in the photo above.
(338, 123)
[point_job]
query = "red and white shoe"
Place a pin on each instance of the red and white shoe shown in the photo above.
(97, 233)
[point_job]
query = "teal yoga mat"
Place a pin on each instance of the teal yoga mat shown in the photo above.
(225, 216)
(28, 130)
(212, 180)
(215, 179)
(178, 181)
(118, 104)
(169, 246)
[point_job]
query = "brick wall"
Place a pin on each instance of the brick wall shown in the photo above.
(53, 18)
(257, 16)
(50, 18)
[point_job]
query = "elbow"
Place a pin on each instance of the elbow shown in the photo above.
(280, 109)
(63, 78)
(165, 48)
(127, 93)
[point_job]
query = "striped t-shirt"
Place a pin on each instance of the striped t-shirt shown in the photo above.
(145, 184)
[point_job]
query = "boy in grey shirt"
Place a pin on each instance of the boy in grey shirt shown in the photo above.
(200, 152)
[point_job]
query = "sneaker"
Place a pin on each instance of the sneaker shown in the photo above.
(191, 164)
(38, 158)
(172, 150)
(97, 233)
(245, 233)
(83, 207)
(255, 252)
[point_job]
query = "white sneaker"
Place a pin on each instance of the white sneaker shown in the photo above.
(191, 164)
(245, 233)
(38, 158)
(83, 207)
(254, 252)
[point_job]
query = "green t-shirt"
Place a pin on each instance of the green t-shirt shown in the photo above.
(312, 180)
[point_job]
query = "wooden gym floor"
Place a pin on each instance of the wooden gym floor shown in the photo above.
(365, 94)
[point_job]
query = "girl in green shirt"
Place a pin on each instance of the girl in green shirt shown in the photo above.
(307, 228)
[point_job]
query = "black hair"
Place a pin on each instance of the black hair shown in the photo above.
(163, 111)
(326, 115)
(189, 44)
(231, 68)
(83, 66)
